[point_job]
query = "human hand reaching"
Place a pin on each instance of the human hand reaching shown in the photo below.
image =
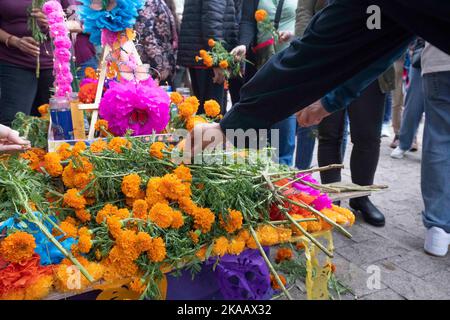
(239, 52)
(312, 115)
(10, 140)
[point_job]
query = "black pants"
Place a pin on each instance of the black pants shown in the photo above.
(205, 89)
(337, 46)
(21, 91)
(366, 118)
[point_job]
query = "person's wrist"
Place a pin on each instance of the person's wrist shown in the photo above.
(14, 42)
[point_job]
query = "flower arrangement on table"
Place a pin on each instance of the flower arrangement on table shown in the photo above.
(121, 211)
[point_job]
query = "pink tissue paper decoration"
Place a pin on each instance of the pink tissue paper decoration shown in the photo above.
(322, 201)
(60, 36)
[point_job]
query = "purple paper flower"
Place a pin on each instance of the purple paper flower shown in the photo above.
(142, 107)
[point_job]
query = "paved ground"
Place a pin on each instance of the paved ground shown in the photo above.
(396, 250)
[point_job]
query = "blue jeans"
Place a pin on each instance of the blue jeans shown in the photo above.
(286, 147)
(92, 62)
(388, 108)
(306, 141)
(414, 108)
(436, 151)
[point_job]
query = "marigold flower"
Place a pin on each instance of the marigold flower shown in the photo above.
(43, 109)
(90, 73)
(283, 254)
(98, 146)
(203, 53)
(244, 235)
(346, 213)
(88, 92)
(176, 98)
(69, 229)
(156, 150)
(193, 100)
(208, 61)
(177, 219)
(267, 235)
(34, 162)
(203, 219)
(186, 110)
(233, 221)
(78, 148)
(260, 15)
(211, 43)
(131, 185)
(212, 108)
(144, 241)
(122, 213)
(194, 236)
(114, 226)
(274, 282)
(83, 215)
(140, 209)
(101, 125)
(84, 243)
(40, 289)
(64, 151)
(171, 187)
(117, 144)
(105, 212)
(17, 247)
(296, 230)
(223, 64)
(161, 215)
(138, 285)
(52, 164)
(187, 205)
(236, 246)
(220, 247)
(158, 251)
(183, 173)
(73, 199)
(81, 180)
(192, 122)
(201, 254)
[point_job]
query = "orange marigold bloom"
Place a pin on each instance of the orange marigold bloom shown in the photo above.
(52, 164)
(162, 215)
(101, 125)
(176, 98)
(144, 241)
(187, 205)
(283, 254)
(267, 235)
(284, 235)
(87, 93)
(78, 148)
(90, 72)
(201, 254)
(223, 64)
(208, 61)
(233, 221)
(140, 209)
(260, 15)
(183, 173)
(194, 236)
(186, 110)
(43, 109)
(84, 243)
(203, 53)
(212, 108)
(73, 199)
(194, 102)
(114, 225)
(17, 247)
(131, 185)
(274, 282)
(64, 151)
(211, 43)
(98, 146)
(32, 158)
(70, 230)
(156, 150)
(158, 251)
(105, 212)
(203, 219)
(236, 246)
(220, 247)
(81, 180)
(304, 225)
(116, 144)
(244, 235)
(194, 121)
(138, 285)
(171, 187)
(122, 213)
(177, 219)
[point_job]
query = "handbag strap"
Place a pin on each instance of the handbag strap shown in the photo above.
(278, 14)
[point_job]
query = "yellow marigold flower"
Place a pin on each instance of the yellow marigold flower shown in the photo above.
(43, 109)
(81, 180)
(64, 151)
(39, 289)
(208, 61)
(193, 100)
(171, 187)
(203, 219)
(156, 150)
(114, 225)
(105, 212)
(350, 217)
(244, 235)
(158, 251)
(90, 72)
(304, 225)
(194, 236)
(83, 215)
(211, 43)
(161, 215)
(131, 185)
(101, 125)
(52, 164)
(233, 221)
(283, 254)
(32, 158)
(79, 147)
(212, 108)
(138, 285)
(144, 241)
(98, 146)
(17, 247)
(176, 98)
(220, 247)
(267, 235)
(260, 15)
(186, 110)
(183, 173)
(284, 235)
(194, 121)
(236, 246)
(70, 230)
(140, 209)
(73, 199)
(203, 53)
(177, 219)
(187, 205)
(314, 226)
(223, 64)
(84, 243)
(122, 213)
(201, 254)
(117, 144)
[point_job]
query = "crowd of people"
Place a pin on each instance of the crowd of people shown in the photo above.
(349, 81)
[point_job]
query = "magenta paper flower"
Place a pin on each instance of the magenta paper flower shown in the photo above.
(142, 107)
(322, 201)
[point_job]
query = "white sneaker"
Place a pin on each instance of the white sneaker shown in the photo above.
(437, 242)
(398, 153)
(386, 130)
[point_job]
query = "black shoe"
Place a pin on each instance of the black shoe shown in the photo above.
(369, 212)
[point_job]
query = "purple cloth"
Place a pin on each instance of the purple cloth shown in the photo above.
(13, 19)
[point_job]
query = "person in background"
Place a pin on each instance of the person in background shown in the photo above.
(10, 141)
(436, 150)
(397, 99)
(386, 129)
(414, 106)
(204, 20)
(235, 84)
(157, 31)
(253, 40)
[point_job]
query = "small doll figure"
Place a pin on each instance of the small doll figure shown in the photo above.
(107, 5)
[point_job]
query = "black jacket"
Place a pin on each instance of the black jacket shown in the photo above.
(203, 20)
